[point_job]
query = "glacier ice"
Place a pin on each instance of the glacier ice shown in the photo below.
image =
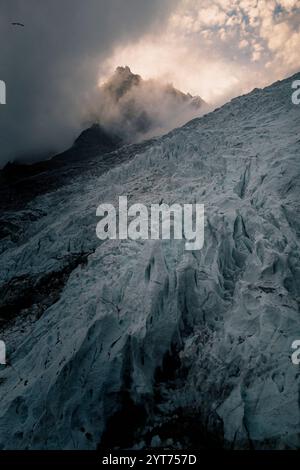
(186, 348)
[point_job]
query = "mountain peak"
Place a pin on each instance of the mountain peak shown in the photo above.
(121, 82)
(136, 109)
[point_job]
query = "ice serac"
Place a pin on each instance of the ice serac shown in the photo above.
(139, 343)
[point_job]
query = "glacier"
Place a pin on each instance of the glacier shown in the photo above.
(134, 344)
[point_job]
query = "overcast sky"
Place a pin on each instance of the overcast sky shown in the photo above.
(215, 48)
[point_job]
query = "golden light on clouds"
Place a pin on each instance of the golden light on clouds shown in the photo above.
(218, 49)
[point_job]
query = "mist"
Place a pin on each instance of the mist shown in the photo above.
(135, 109)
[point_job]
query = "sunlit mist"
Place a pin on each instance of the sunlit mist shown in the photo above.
(217, 49)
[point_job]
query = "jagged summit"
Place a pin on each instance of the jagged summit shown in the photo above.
(121, 82)
(136, 109)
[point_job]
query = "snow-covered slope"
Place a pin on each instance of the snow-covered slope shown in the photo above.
(124, 343)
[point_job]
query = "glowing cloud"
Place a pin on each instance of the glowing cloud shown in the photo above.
(218, 49)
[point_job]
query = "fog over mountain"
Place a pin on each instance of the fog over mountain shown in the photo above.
(127, 109)
(135, 109)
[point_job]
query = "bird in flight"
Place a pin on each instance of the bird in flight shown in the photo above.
(18, 24)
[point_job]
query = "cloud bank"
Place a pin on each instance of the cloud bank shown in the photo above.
(219, 49)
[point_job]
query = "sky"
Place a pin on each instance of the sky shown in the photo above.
(217, 49)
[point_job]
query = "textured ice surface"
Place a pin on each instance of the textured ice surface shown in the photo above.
(181, 348)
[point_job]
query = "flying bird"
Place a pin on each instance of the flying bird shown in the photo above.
(18, 24)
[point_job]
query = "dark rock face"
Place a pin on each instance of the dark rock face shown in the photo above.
(20, 183)
(95, 140)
